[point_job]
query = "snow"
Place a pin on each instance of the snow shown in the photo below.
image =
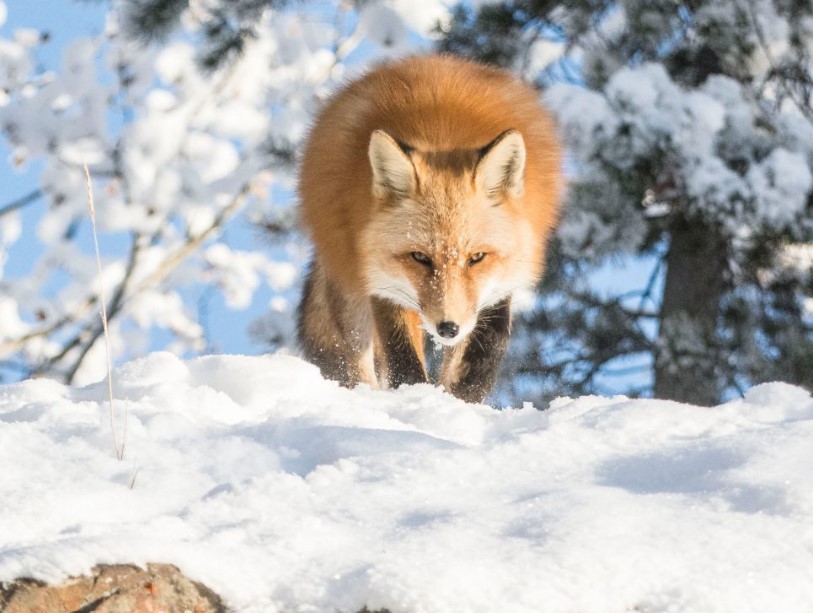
(782, 181)
(282, 491)
(238, 273)
(542, 54)
(422, 15)
(713, 156)
(383, 26)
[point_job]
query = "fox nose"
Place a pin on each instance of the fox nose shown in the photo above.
(448, 329)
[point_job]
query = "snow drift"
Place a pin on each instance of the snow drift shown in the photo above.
(282, 491)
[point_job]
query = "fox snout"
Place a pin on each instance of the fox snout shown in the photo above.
(448, 296)
(447, 331)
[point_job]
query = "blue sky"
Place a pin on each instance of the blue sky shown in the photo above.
(63, 19)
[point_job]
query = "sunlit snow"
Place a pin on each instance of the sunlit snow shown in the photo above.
(282, 492)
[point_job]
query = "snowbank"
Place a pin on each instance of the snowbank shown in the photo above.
(282, 491)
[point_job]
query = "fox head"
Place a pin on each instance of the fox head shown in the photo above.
(447, 235)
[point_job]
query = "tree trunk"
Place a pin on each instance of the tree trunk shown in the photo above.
(687, 356)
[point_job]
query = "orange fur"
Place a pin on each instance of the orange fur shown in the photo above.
(443, 113)
(434, 103)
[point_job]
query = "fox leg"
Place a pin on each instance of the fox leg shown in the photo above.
(336, 331)
(399, 344)
(470, 368)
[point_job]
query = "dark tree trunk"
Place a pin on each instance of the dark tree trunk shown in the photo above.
(687, 356)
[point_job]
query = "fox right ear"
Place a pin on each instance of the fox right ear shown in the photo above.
(501, 168)
(393, 172)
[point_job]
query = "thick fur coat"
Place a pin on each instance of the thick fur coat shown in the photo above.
(429, 188)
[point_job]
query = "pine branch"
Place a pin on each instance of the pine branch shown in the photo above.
(153, 20)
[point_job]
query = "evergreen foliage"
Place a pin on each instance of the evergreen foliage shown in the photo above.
(226, 26)
(153, 19)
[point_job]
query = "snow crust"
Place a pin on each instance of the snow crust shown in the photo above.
(283, 492)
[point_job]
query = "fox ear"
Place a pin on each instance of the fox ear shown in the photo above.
(501, 168)
(393, 172)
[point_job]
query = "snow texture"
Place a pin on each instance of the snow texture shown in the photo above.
(284, 492)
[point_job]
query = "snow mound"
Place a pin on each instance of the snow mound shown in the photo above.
(282, 491)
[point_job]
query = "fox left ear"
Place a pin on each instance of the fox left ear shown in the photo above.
(393, 172)
(501, 168)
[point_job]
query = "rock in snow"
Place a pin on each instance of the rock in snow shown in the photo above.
(120, 588)
(284, 492)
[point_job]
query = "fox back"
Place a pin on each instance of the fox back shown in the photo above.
(429, 188)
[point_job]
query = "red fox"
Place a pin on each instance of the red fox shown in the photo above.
(429, 188)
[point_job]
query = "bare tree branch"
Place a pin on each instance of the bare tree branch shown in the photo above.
(21, 202)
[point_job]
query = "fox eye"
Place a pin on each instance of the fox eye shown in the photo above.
(477, 258)
(421, 258)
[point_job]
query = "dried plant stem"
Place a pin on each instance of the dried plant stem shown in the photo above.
(119, 449)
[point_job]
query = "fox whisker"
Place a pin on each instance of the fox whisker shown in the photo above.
(403, 295)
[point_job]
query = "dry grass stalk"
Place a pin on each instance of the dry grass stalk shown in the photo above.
(119, 448)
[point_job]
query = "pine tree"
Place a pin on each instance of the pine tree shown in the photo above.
(227, 26)
(691, 130)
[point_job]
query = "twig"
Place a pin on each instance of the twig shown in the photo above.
(119, 450)
(134, 477)
(21, 202)
(116, 304)
(193, 242)
(801, 105)
(15, 344)
(167, 266)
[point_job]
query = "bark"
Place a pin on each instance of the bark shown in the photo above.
(686, 357)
